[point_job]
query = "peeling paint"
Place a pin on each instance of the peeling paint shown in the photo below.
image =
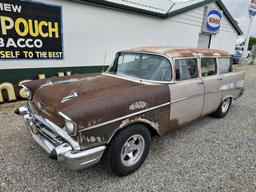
(127, 122)
(91, 139)
(231, 86)
(138, 105)
(95, 121)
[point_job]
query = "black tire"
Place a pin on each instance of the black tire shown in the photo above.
(119, 145)
(223, 111)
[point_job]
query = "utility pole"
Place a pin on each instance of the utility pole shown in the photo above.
(252, 13)
(247, 38)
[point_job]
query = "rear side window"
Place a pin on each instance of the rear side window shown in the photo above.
(186, 69)
(225, 65)
(208, 67)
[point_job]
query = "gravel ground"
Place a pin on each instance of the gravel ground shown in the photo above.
(209, 155)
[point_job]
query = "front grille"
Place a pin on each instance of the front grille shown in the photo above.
(41, 127)
(50, 135)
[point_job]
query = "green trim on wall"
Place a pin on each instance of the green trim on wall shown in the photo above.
(14, 76)
(112, 5)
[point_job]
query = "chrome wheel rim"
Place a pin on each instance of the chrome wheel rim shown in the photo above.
(225, 105)
(132, 150)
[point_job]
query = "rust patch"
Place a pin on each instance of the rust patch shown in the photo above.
(128, 122)
(180, 51)
(173, 124)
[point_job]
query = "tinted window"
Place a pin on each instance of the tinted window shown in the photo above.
(143, 66)
(208, 67)
(225, 65)
(186, 69)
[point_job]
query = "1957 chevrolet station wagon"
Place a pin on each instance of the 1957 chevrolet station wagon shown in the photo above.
(150, 91)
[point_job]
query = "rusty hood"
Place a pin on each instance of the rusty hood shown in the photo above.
(55, 97)
(93, 100)
(63, 93)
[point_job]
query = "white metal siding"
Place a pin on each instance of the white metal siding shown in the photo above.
(227, 36)
(92, 35)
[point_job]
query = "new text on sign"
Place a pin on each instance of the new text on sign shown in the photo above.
(10, 7)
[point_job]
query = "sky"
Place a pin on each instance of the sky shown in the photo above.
(239, 10)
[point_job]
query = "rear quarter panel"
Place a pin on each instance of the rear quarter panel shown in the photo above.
(232, 84)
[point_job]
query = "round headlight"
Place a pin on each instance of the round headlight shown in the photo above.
(28, 93)
(70, 127)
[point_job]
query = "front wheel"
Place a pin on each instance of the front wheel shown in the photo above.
(223, 109)
(128, 149)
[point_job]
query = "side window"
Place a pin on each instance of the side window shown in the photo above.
(208, 67)
(225, 65)
(186, 69)
(163, 71)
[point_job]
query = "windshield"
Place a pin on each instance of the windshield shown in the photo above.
(142, 66)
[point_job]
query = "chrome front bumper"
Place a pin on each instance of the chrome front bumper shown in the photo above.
(57, 143)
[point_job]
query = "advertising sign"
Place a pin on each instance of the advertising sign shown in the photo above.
(212, 20)
(30, 30)
(252, 8)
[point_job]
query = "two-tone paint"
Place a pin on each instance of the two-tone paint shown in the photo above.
(103, 104)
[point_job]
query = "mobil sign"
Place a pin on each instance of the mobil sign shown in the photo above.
(212, 20)
(252, 8)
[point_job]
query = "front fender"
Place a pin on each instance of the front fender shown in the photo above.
(99, 120)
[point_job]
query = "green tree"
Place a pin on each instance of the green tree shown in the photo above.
(252, 42)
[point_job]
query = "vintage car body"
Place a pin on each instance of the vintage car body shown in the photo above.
(103, 104)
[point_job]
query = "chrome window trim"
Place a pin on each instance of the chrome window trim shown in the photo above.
(199, 57)
(137, 80)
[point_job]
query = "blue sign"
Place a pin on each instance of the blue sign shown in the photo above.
(214, 20)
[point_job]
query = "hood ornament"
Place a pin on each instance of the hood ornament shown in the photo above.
(71, 95)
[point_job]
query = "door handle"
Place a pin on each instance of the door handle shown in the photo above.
(200, 83)
(220, 79)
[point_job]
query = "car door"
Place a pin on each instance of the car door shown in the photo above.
(212, 82)
(187, 93)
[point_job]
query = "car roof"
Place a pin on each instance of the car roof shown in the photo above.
(180, 51)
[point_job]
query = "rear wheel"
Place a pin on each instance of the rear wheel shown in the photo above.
(128, 149)
(223, 109)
